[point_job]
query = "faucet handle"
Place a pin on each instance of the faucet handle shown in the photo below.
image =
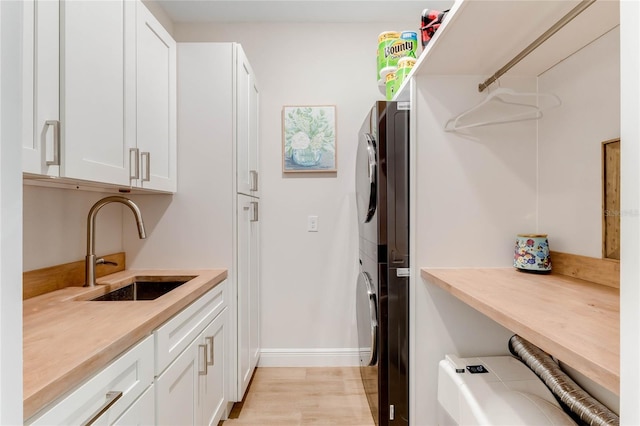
(105, 262)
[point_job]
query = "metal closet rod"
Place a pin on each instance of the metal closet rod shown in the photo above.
(537, 42)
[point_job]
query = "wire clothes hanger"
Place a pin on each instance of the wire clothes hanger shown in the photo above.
(514, 106)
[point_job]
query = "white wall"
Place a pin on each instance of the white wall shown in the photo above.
(10, 216)
(477, 185)
(570, 145)
(55, 226)
(308, 279)
(570, 191)
(473, 193)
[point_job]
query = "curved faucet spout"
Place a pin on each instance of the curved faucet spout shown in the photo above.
(90, 266)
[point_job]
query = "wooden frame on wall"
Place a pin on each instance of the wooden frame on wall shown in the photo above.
(309, 139)
(611, 199)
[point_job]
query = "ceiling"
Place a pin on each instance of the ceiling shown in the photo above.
(359, 11)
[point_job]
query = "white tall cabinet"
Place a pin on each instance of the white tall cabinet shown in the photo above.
(248, 220)
(219, 180)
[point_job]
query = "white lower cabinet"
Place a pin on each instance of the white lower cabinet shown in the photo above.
(212, 386)
(191, 390)
(177, 390)
(142, 412)
(188, 356)
(115, 389)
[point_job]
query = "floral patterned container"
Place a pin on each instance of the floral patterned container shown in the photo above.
(532, 253)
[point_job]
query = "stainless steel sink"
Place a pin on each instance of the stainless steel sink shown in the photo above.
(144, 288)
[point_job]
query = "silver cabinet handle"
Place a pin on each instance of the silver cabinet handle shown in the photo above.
(210, 359)
(255, 215)
(56, 142)
(112, 397)
(254, 180)
(147, 172)
(136, 163)
(202, 360)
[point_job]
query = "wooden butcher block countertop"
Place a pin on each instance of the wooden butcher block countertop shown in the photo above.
(575, 320)
(67, 338)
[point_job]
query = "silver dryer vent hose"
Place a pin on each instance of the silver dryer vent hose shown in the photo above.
(587, 408)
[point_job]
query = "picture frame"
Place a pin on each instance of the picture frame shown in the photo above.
(309, 139)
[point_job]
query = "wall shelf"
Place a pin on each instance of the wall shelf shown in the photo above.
(574, 320)
(472, 40)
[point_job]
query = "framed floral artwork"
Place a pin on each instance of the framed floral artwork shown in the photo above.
(309, 139)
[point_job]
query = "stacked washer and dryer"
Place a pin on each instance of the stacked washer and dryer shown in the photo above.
(382, 295)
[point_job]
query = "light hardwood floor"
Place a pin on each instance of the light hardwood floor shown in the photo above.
(303, 396)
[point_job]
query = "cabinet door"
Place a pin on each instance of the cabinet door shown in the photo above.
(97, 39)
(176, 335)
(142, 412)
(248, 298)
(177, 389)
(192, 389)
(254, 286)
(213, 386)
(40, 88)
(155, 103)
(254, 145)
(115, 388)
(246, 126)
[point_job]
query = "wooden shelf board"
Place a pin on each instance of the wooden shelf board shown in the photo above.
(576, 321)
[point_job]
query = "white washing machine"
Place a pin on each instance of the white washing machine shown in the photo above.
(498, 390)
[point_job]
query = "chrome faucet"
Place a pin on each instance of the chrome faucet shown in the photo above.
(90, 263)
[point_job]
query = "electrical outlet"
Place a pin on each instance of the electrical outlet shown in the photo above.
(312, 224)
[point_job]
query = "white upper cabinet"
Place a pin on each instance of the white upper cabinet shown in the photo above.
(246, 126)
(40, 86)
(95, 39)
(99, 94)
(155, 103)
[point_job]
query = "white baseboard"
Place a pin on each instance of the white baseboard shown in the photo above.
(323, 357)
